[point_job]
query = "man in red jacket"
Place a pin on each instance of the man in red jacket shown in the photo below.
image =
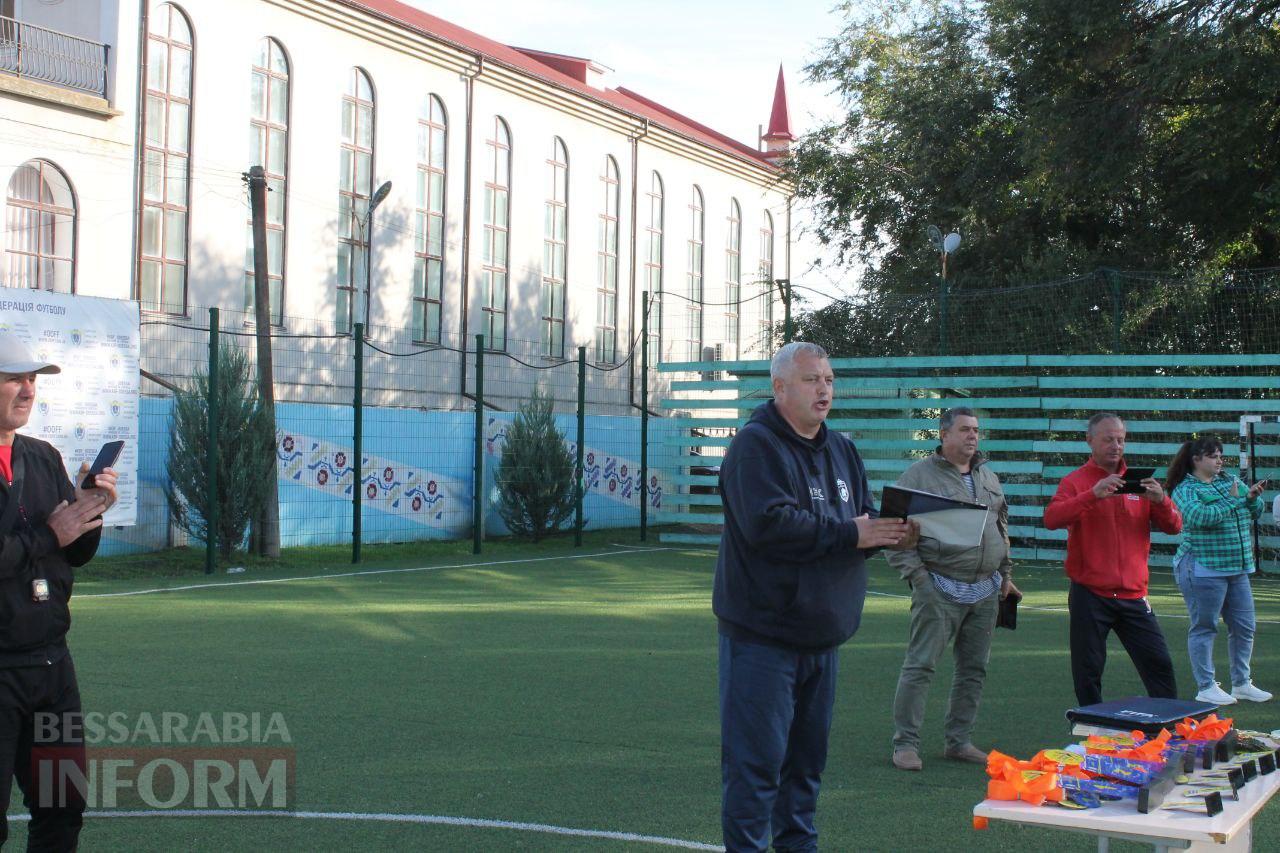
(1108, 543)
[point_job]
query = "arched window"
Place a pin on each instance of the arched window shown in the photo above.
(607, 267)
(766, 283)
(733, 282)
(269, 148)
(355, 186)
(40, 229)
(697, 232)
(653, 267)
(428, 264)
(166, 189)
(555, 231)
(497, 235)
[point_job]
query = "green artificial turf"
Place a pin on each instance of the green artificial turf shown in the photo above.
(570, 691)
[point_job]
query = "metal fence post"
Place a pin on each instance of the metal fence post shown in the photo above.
(212, 410)
(644, 417)
(942, 313)
(582, 440)
(477, 510)
(1117, 310)
(357, 445)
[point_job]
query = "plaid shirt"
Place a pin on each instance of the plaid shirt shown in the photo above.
(1217, 526)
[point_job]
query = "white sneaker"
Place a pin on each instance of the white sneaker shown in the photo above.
(1248, 691)
(1215, 695)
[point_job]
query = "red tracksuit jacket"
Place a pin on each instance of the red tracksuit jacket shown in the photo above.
(1108, 540)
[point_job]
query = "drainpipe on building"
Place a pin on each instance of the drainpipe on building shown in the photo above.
(464, 308)
(138, 152)
(790, 199)
(631, 297)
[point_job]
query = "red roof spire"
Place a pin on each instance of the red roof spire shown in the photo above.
(780, 118)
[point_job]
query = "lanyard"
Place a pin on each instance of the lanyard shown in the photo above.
(14, 505)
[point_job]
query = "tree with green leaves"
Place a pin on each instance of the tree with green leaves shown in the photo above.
(535, 479)
(1060, 139)
(246, 453)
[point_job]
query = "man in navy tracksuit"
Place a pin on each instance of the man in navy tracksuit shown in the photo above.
(789, 587)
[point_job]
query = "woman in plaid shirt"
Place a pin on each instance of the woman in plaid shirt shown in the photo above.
(1213, 564)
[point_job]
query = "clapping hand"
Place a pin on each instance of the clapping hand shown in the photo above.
(71, 521)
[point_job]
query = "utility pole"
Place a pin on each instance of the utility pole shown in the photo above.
(268, 522)
(784, 288)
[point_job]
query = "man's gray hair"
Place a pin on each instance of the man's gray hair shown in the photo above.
(950, 415)
(785, 357)
(1099, 418)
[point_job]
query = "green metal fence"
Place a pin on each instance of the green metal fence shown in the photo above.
(353, 391)
(1033, 411)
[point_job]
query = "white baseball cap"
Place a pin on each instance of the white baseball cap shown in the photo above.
(16, 358)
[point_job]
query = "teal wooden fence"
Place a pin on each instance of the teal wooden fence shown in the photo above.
(1033, 410)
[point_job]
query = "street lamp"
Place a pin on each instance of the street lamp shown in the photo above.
(945, 246)
(366, 237)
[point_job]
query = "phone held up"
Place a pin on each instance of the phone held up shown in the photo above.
(107, 457)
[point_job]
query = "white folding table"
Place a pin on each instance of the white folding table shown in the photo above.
(1164, 829)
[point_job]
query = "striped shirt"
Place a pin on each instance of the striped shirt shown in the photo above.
(959, 592)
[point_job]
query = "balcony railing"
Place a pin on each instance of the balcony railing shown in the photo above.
(37, 53)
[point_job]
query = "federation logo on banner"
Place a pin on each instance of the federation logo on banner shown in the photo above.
(95, 397)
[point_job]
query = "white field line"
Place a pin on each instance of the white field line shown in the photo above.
(443, 820)
(223, 584)
(1065, 610)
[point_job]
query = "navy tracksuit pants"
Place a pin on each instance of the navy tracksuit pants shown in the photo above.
(775, 716)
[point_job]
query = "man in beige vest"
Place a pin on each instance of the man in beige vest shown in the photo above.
(955, 591)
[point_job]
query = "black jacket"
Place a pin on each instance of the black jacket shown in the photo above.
(790, 572)
(35, 633)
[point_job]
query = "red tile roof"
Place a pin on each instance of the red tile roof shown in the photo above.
(622, 99)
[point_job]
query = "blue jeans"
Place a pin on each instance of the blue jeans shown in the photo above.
(1208, 597)
(775, 716)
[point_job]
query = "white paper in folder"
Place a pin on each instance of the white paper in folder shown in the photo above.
(954, 526)
(948, 520)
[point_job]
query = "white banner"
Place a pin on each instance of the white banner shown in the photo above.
(95, 398)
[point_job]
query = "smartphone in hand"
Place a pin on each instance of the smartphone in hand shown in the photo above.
(107, 457)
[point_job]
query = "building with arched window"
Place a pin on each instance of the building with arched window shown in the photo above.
(531, 200)
(40, 229)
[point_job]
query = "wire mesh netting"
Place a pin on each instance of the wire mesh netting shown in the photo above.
(1106, 311)
(378, 441)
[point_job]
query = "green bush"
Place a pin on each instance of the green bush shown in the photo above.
(246, 452)
(535, 478)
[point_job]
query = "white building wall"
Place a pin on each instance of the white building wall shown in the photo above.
(98, 155)
(679, 175)
(93, 150)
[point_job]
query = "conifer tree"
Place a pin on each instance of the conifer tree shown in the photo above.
(535, 478)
